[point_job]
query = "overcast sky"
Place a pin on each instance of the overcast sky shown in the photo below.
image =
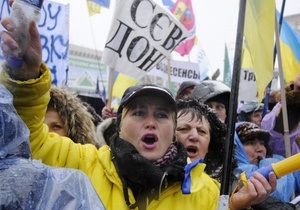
(216, 25)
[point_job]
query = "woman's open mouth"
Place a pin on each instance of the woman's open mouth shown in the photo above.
(192, 151)
(149, 141)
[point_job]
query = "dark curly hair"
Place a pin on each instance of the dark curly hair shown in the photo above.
(216, 149)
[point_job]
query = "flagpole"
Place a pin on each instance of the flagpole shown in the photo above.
(283, 98)
(227, 165)
(110, 86)
(169, 73)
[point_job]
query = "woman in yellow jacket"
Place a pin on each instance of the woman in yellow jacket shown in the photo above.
(137, 181)
(142, 169)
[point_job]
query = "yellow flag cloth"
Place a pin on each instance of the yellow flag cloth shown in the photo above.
(122, 82)
(93, 8)
(259, 36)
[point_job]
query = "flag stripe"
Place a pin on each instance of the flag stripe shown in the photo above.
(122, 82)
(291, 38)
(104, 3)
(290, 53)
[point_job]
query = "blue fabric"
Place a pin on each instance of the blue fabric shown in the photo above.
(187, 182)
(297, 182)
(168, 3)
(104, 3)
(285, 185)
(290, 37)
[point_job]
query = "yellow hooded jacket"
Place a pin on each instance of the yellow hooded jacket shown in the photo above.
(31, 98)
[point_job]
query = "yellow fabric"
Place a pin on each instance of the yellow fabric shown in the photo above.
(180, 10)
(197, 181)
(290, 64)
(246, 62)
(31, 101)
(93, 8)
(121, 84)
(259, 35)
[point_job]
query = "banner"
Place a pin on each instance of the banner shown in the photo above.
(180, 71)
(203, 62)
(248, 87)
(54, 30)
(141, 35)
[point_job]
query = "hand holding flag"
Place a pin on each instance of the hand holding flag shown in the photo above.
(281, 168)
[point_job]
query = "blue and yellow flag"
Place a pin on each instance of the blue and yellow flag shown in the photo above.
(259, 36)
(94, 6)
(121, 83)
(192, 178)
(290, 51)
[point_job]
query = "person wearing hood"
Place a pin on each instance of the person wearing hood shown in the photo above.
(203, 135)
(68, 116)
(29, 184)
(253, 152)
(216, 95)
(144, 167)
(251, 111)
(185, 90)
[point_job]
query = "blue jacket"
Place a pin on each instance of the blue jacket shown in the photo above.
(285, 185)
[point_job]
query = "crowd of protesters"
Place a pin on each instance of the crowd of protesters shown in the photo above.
(158, 151)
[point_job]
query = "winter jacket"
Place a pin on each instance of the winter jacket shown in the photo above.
(75, 115)
(31, 98)
(285, 185)
(30, 184)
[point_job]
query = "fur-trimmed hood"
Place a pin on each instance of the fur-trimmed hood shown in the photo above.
(75, 116)
(105, 130)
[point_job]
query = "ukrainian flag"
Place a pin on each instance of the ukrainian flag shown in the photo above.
(290, 51)
(192, 178)
(122, 82)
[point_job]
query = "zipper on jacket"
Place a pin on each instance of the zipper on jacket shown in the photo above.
(163, 182)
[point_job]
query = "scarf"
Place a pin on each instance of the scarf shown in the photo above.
(145, 178)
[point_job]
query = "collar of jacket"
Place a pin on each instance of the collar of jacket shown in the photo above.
(146, 180)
